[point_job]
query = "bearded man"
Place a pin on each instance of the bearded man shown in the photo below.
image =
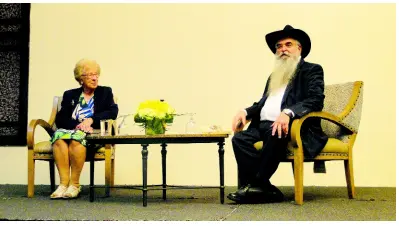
(294, 89)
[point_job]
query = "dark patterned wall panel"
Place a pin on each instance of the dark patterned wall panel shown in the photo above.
(14, 74)
(9, 83)
(11, 11)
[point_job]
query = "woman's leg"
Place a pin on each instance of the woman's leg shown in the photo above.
(61, 157)
(77, 158)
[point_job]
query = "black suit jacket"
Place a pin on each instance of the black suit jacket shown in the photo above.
(104, 107)
(304, 94)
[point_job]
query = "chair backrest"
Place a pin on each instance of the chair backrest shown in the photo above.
(345, 101)
(57, 107)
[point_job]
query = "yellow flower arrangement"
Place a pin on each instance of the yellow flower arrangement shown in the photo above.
(154, 115)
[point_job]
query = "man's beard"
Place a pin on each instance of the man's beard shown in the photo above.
(283, 71)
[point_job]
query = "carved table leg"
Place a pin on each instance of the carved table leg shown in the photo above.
(144, 154)
(221, 166)
(163, 152)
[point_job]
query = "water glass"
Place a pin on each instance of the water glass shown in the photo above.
(191, 127)
(102, 127)
(106, 127)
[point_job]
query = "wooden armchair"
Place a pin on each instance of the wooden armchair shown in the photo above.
(43, 151)
(340, 121)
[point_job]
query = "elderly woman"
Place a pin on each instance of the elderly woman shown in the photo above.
(81, 112)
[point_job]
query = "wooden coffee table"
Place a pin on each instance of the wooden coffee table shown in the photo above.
(163, 140)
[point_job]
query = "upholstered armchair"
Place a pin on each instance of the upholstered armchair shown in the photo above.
(340, 121)
(43, 151)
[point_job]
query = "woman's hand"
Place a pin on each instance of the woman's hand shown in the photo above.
(85, 125)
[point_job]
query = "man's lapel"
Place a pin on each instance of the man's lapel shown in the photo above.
(287, 90)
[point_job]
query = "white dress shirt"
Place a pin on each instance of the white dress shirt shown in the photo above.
(272, 107)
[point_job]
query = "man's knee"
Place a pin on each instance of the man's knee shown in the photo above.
(237, 138)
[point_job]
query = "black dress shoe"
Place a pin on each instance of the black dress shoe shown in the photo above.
(273, 194)
(246, 194)
(250, 194)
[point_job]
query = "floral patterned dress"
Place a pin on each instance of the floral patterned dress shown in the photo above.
(83, 110)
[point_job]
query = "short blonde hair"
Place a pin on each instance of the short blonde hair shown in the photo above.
(82, 66)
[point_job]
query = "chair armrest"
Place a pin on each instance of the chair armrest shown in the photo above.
(31, 130)
(297, 124)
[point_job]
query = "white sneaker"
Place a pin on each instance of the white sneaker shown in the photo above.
(72, 192)
(59, 192)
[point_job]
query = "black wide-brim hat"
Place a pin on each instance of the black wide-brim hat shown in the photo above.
(289, 32)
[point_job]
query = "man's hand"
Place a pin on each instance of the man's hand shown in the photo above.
(281, 125)
(85, 126)
(239, 121)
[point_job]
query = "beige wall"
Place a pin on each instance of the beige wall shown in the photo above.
(211, 59)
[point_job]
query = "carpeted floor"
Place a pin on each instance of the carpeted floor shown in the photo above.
(320, 204)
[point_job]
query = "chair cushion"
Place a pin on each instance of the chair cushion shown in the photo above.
(258, 145)
(333, 146)
(45, 147)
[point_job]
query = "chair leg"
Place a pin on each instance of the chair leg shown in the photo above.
(112, 172)
(107, 169)
(298, 175)
(293, 169)
(350, 181)
(52, 175)
(31, 174)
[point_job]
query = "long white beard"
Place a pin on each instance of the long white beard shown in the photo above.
(283, 72)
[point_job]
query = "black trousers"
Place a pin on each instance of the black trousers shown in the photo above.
(256, 167)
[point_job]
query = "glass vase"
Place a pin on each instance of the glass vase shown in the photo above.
(155, 127)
